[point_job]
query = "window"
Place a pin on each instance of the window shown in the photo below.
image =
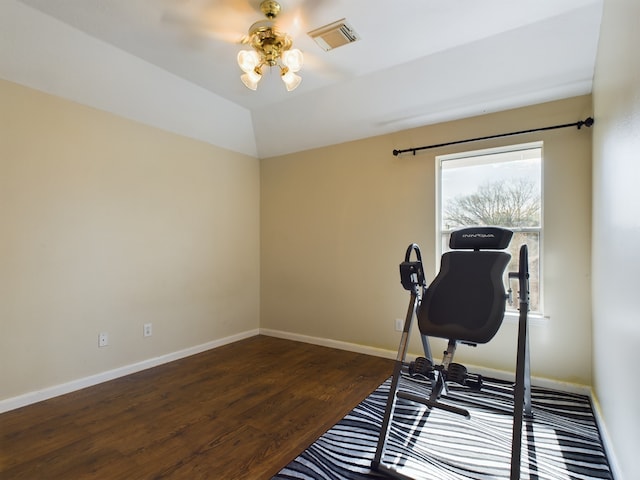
(496, 187)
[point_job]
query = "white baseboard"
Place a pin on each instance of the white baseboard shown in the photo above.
(606, 439)
(327, 342)
(379, 352)
(44, 394)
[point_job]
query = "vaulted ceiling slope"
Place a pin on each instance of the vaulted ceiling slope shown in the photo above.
(172, 63)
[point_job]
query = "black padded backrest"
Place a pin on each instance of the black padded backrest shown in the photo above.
(480, 238)
(467, 299)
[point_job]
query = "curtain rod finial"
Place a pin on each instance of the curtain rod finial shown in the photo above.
(588, 122)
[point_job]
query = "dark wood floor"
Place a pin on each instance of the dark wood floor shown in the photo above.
(241, 411)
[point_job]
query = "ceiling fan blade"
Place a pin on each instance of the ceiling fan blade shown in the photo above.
(300, 17)
(224, 20)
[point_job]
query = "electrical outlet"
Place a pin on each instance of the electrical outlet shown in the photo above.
(399, 325)
(147, 330)
(103, 339)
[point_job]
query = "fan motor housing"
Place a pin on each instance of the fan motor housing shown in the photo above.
(270, 8)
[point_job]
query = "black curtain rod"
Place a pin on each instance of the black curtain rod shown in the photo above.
(588, 122)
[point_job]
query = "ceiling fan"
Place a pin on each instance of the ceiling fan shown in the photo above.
(227, 20)
(270, 40)
(270, 47)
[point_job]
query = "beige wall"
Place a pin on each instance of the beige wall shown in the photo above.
(108, 224)
(336, 222)
(616, 230)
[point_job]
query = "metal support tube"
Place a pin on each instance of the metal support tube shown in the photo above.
(397, 372)
(434, 404)
(522, 393)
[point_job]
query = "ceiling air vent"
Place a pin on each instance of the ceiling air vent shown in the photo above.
(334, 35)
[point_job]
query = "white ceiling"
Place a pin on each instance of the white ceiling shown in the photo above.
(171, 63)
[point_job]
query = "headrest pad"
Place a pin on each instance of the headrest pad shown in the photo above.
(480, 238)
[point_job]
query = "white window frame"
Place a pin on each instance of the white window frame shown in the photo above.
(439, 231)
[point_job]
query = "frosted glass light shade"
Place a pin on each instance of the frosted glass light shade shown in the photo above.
(251, 79)
(248, 60)
(291, 80)
(292, 59)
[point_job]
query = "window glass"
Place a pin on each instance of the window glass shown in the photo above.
(497, 187)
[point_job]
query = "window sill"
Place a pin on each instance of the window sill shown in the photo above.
(534, 318)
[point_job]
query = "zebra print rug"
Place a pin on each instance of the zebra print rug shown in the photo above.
(561, 442)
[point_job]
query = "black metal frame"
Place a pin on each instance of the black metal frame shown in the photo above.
(412, 277)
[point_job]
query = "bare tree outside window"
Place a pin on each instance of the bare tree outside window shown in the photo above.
(509, 203)
(501, 189)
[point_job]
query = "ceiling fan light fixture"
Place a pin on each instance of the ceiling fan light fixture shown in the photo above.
(270, 47)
